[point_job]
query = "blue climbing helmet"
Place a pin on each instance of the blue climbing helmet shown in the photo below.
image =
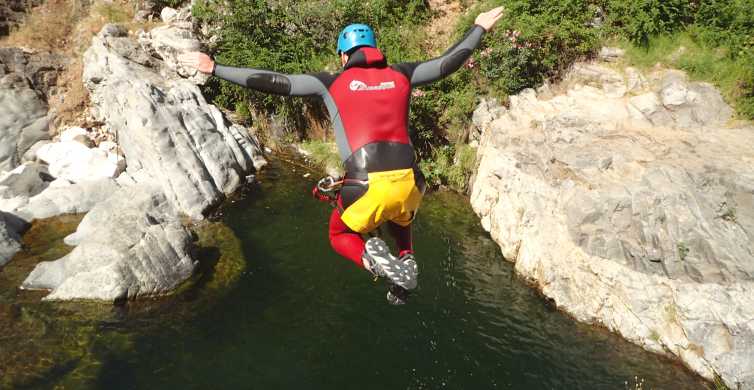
(355, 35)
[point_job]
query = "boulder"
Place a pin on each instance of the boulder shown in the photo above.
(10, 236)
(31, 154)
(611, 54)
(20, 184)
(63, 197)
(29, 193)
(146, 10)
(40, 69)
(131, 245)
(27, 79)
(12, 13)
(74, 161)
(26, 180)
(487, 111)
(23, 119)
(168, 14)
(636, 214)
(164, 125)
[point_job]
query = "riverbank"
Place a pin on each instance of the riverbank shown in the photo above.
(625, 197)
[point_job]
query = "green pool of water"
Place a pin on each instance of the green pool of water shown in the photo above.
(296, 316)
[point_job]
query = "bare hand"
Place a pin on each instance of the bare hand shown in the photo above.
(488, 19)
(197, 60)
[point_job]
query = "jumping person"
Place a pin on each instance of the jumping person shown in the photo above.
(368, 103)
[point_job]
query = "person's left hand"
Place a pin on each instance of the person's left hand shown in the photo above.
(488, 19)
(197, 60)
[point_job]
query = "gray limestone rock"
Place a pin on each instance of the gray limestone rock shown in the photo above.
(487, 111)
(23, 119)
(67, 198)
(165, 126)
(39, 68)
(637, 214)
(10, 236)
(611, 54)
(26, 79)
(26, 180)
(131, 245)
(12, 13)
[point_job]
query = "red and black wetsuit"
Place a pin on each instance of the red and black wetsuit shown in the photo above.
(368, 103)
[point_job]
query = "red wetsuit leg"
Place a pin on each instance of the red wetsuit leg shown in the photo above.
(345, 241)
(402, 236)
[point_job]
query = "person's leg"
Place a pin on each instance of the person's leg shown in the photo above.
(345, 241)
(402, 236)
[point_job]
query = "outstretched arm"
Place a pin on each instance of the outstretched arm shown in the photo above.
(421, 73)
(257, 79)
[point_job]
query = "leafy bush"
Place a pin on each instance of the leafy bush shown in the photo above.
(718, 37)
(639, 20)
(450, 165)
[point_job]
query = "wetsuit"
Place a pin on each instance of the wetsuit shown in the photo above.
(368, 103)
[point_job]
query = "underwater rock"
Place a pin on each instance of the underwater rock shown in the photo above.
(131, 245)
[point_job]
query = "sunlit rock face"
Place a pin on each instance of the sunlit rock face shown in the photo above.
(629, 200)
(128, 246)
(164, 125)
(168, 155)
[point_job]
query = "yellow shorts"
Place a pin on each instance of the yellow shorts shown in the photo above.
(391, 196)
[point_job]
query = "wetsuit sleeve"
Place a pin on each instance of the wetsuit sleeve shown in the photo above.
(272, 82)
(421, 73)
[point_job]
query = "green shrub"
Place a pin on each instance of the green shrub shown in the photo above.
(450, 166)
(718, 38)
(640, 20)
(324, 154)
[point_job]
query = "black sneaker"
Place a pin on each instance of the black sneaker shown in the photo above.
(397, 295)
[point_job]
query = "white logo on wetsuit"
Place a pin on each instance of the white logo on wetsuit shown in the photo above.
(357, 85)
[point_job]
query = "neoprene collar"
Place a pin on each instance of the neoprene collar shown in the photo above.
(366, 57)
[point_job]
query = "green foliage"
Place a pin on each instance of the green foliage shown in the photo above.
(536, 40)
(449, 165)
(170, 3)
(639, 20)
(323, 154)
(718, 41)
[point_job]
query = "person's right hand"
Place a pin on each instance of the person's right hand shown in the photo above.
(197, 60)
(488, 19)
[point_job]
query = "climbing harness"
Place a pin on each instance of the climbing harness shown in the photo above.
(327, 190)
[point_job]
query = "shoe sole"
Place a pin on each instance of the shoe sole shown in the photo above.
(394, 299)
(378, 249)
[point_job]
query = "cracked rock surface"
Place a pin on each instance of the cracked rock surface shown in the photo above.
(128, 246)
(182, 158)
(629, 200)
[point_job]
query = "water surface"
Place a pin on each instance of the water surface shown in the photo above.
(297, 316)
